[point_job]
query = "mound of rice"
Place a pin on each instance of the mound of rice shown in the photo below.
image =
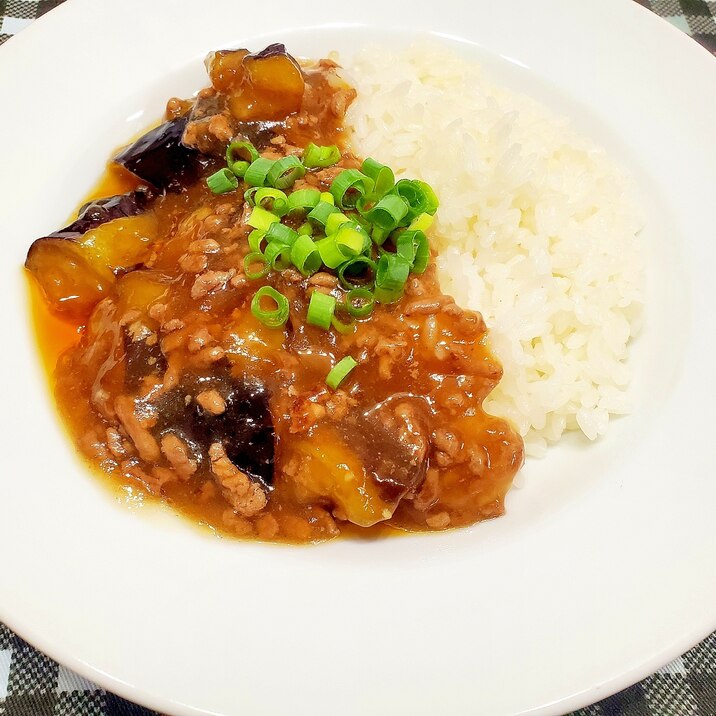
(536, 229)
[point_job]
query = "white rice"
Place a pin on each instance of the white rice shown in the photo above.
(536, 230)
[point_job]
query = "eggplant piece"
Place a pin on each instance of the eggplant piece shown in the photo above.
(392, 440)
(245, 428)
(142, 359)
(100, 211)
(210, 136)
(161, 159)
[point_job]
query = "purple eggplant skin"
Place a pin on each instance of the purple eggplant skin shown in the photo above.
(245, 428)
(100, 211)
(271, 51)
(161, 159)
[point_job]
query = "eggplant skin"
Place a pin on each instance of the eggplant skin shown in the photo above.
(277, 48)
(100, 211)
(161, 159)
(245, 428)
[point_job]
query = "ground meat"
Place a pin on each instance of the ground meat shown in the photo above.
(245, 496)
(211, 401)
(177, 453)
(210, 281)
(143, 440)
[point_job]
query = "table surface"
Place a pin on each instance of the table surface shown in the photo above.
(31, 684)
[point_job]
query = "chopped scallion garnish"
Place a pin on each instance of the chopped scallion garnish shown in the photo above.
(315, 156)
(281, 233)
(340, 371)
(303, 200)
(222, 181)
(257, 172)
(285, 172)
(273, 317)
(382, 176)
(261, 219)
(321, 309)
(349, 186)
(239, 156)
(360, 302)
(253, 259)
(273, 200)
(305, 256)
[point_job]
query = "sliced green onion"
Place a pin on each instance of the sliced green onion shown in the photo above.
(383, 295)
(382, 176)
(333, 221)
(256, 239)
(379, 235)
(258, 171)
(320, 213)
(239, 156)
(273, 200)
(306, 229)
(305, 256)
(344, 328)
(354, 267)
(303, 200)
(388, 212)
(261, 219)
(414, 195)
(252, 259)
(349, 186)
(331, 254)
(315, 156)
(430, 196)
(422, 222)
(360, 302)
(349, 240)
(413, 247)
(327, 197)
(222, 181)
(321, 309)
(273, 318)
(285, 172)
(278, 255)
(340, 371)
(250, 195)
(392, 272)
(281, 234)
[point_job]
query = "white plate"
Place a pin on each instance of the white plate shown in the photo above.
(604, 567)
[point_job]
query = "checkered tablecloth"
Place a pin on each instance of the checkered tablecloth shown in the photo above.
(33, 685)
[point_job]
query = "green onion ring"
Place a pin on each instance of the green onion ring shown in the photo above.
(367, 302)
(281, 233)
(351, 264)
(222, 181)
(340, 371)
(256, 238)
(239, 156)
(278, 255)
(275, 318)
(382, 176)
(349, 186)
(305, 256)
(321, 309)
(254, 258)
(273, 200)
(285, 172)
(302, 201)
(258, 171)
(320, 157)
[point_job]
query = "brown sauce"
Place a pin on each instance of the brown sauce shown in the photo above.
(403, 442)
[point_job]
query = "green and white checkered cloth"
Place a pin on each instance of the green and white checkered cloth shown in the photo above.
(33, 685)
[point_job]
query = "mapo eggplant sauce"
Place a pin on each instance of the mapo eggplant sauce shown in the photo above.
(227, 346)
